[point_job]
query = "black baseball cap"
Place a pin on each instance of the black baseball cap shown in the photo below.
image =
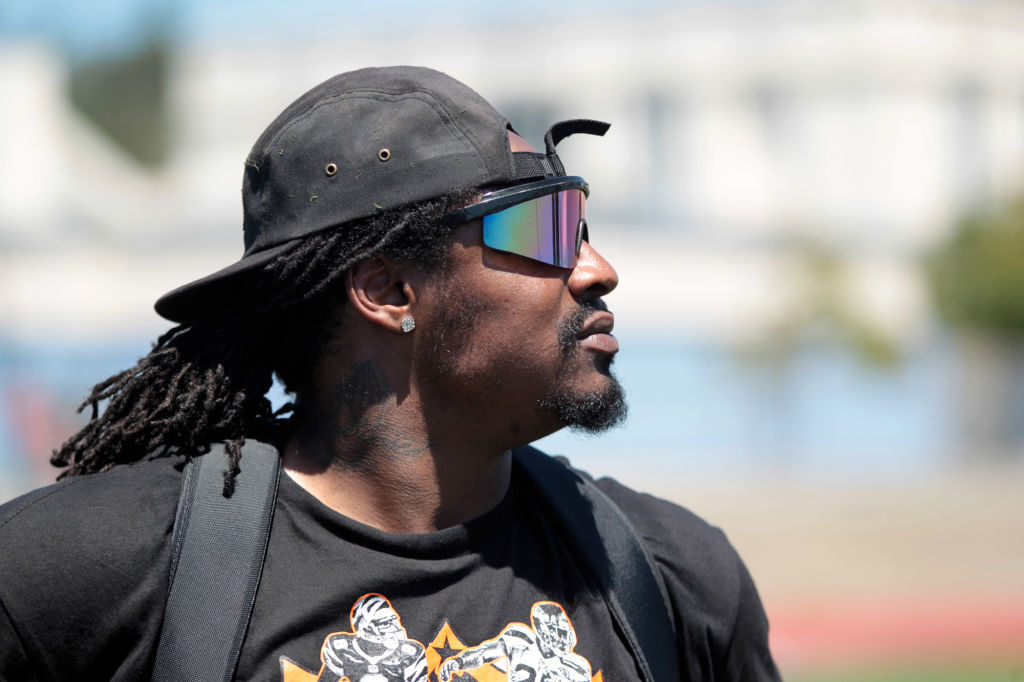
(359, 143)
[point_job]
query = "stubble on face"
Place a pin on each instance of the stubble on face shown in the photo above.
(590, 411)
(587, 411)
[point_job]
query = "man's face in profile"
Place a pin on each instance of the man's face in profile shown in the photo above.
(529, 339)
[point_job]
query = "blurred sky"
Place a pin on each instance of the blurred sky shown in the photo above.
(108, 26)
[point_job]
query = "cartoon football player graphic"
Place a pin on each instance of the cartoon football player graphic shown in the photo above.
(377, 650)
(542, 653)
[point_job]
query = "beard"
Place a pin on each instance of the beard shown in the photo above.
(587, 411)
(592, 411)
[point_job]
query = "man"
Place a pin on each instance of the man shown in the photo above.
(542, 653)
(378, 648)
(422, 280)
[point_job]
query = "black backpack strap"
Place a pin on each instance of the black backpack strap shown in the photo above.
(217, 558)
(618, 562)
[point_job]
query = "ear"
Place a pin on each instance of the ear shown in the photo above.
(377, 291)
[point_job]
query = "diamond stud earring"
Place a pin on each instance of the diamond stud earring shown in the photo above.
(408, 324)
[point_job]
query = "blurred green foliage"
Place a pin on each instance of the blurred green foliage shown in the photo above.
(977, 276)
(125, 95)
(825, 311)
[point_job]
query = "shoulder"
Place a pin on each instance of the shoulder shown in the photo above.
(698, 564)
(715, 603)
(94, 509)
(517, 635)
(680, 540)
(85, 562)
(687, 549)
(411, 647)
(339, 640)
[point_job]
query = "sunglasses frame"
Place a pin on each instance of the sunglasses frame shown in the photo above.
(499, 200)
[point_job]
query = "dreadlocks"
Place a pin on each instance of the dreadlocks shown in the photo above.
(205, 381)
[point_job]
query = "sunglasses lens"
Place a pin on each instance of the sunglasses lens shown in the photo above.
(544, 229)
(570, 210)
(526, 229)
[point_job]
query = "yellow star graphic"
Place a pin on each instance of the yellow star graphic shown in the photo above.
(293, 672)
(444, 645)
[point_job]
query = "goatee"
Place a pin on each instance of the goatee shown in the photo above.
(593, 411)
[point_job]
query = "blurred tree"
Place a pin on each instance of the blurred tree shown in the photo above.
(977, 276)
(977, 282)
(126, 96)
(823, 311)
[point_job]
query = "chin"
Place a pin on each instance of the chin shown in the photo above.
(589, 411)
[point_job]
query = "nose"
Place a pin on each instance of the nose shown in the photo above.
(593, 275)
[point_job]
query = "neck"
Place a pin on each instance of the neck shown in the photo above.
(365, 450)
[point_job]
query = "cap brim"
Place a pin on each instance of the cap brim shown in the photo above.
(219, 292)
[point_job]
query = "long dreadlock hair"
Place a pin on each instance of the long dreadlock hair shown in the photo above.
(205, 381)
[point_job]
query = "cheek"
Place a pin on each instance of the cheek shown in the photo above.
(521, 324)
(504, 335)
(510, 303)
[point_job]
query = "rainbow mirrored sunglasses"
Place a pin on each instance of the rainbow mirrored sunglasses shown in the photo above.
(544, 220)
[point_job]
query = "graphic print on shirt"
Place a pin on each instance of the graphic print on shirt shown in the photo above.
(541, 653)
(379, 650)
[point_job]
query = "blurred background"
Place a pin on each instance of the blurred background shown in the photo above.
(817, 214)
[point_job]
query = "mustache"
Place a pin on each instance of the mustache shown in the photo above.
(570, 328)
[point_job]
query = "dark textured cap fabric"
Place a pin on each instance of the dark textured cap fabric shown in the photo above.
(356, 144)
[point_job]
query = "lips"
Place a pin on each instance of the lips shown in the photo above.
(597, 333)
(599, 323)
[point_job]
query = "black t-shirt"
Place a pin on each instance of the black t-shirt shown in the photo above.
(84, 569)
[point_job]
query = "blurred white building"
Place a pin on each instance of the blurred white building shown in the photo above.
(861, 124)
